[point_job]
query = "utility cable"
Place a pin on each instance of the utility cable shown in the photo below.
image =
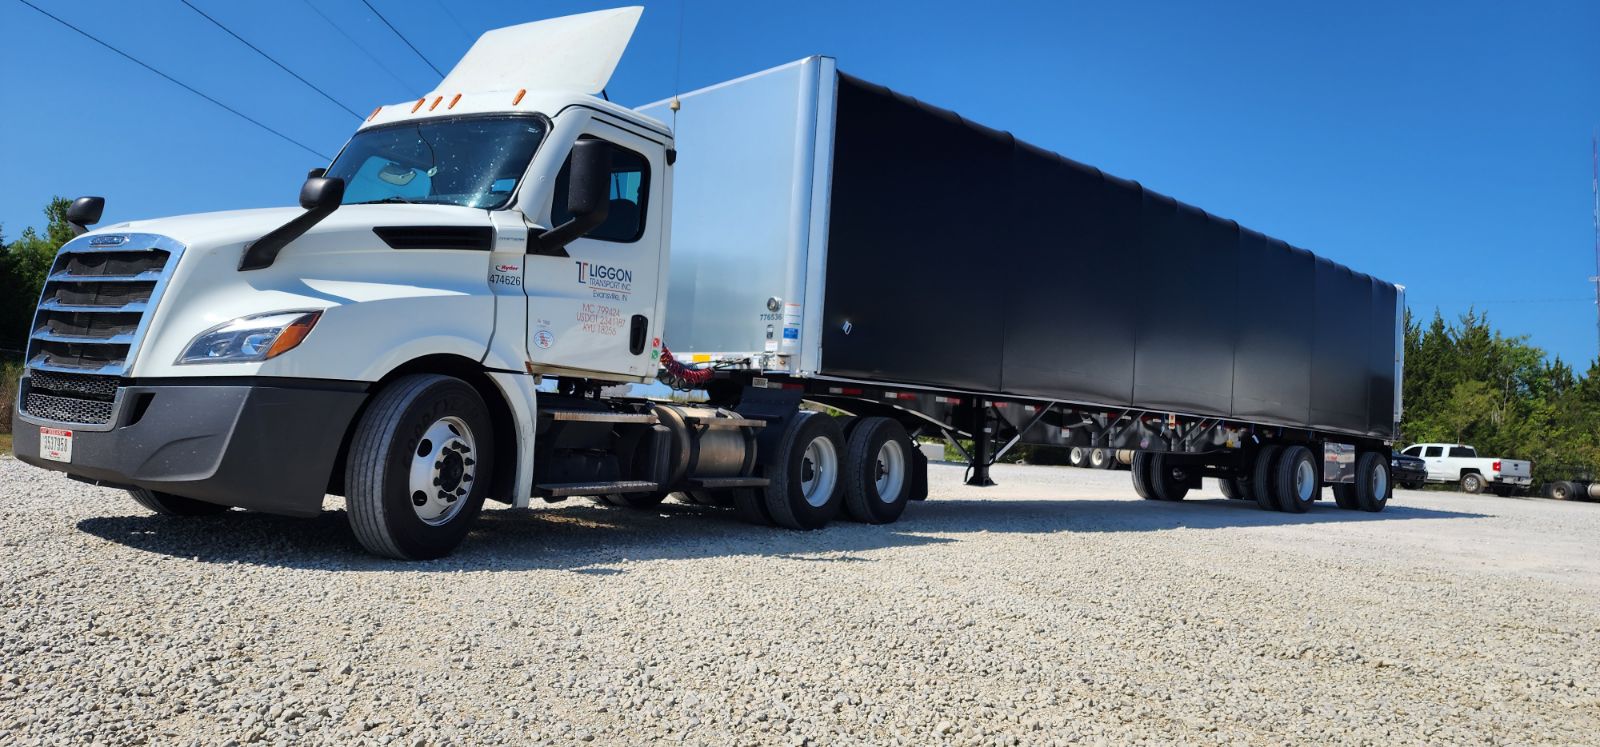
(402, 36)
(270, 58)
(356, 44)
(175, 81)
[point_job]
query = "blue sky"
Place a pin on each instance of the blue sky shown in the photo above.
(1444, 146)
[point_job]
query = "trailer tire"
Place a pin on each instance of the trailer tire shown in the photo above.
(1102, 458)
(1141, 475)
(1472, 483)
(806, 490)
(1561, 490)
(1261, 487)
(1162, 483)
(1344, 496)
(389, 456)
(1078, 456)
(1295, 479)
(168, 504)
(1233, 488)
(877, 447)
(1373, 484)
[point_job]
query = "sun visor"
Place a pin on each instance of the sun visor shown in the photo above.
(571, 53)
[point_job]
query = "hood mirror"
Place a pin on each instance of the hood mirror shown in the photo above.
(320, 196)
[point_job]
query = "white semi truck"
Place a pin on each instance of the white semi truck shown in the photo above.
(448, 317)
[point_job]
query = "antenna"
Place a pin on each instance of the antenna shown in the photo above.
(1594, 185)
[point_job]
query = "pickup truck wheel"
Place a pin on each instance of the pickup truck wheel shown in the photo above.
(1344, 496)
(168, 504)
(1295, 479)
(1233, 488)
(1372, 485)
(877, 471)
(1472, 482)
(1102, 458)
(806, 490)
(1141, 475)
(418, 467)
(1078, 456)
(1261, 487)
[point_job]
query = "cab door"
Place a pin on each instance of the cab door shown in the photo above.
(592, 304)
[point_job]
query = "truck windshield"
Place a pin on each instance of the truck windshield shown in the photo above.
(469, 161)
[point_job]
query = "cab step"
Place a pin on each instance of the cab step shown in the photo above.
(599, 416)
(728, 422)
(717, 483)
(565, 489)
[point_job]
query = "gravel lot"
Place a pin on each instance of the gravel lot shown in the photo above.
(1056, 607)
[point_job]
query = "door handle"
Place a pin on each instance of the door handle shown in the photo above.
(637, 334)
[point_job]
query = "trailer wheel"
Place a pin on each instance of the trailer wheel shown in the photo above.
(1102, 458)
(1561, 490)
(1472, 483)
(168, 504)
(1372, 486)
(1078, 456)
(877, 471)
(412, 477)
(1141, 475)
(806, 491)
(1344, 496)
(1233, 488)
(1295, 479)
(1261, 486)
(1163, 484)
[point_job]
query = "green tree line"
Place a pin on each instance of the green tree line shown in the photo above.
(1465, 382)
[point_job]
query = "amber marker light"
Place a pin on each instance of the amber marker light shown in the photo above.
(293, 335)
(435, 104)
(418, 105)
(453, 101)
(374, 114)
(520, 93)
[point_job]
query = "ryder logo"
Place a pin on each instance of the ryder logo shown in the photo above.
(604, 281)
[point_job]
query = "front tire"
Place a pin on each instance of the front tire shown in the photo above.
(1373, 482)
(419, 467)
(167, 504)
(804, 489)
(1561, 490)
(877, 471)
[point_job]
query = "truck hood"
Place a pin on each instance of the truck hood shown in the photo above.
(231, 228)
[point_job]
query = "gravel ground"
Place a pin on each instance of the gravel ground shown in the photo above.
(1056, 607)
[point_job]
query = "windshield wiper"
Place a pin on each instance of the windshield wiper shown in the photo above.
(391, 198)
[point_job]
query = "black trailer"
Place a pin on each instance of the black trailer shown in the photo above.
(854, 247)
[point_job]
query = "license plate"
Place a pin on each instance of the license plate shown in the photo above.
(55, 444)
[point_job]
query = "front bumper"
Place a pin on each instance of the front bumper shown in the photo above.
(1401, 474)
(268, 447)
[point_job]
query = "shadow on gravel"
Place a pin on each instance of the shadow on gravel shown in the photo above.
(583, 537)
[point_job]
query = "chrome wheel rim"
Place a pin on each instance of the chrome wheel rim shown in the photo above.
(1305, 481)
(443, 469)
(889, 471)
(1097, 457)
(819, 471)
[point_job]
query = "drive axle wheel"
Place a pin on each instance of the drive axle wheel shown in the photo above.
(1372, 486)
(1078, 456)
(805, 490)
(418, 467)
(1295, 479)
(877, 468)
(1102, 458)
(168, 504)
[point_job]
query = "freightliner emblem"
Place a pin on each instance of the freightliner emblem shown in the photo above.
(110, 239)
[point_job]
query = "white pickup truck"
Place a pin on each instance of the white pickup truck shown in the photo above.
(1461, 464)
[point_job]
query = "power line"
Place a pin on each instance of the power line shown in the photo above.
(270, 58)
(402, 36)
(356, 44)
(452, 16)
(176, 82)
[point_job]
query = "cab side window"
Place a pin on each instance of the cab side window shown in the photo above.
(1434, 451)
(630, 191)
(1415, 451)
(1463, 451)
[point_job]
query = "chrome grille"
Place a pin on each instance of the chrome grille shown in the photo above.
(91, 317)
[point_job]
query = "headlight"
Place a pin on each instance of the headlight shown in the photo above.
(251, 338)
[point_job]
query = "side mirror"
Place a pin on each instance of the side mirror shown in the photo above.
(321, 193)
(85, 212)
(320, 196)
(588, 196)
